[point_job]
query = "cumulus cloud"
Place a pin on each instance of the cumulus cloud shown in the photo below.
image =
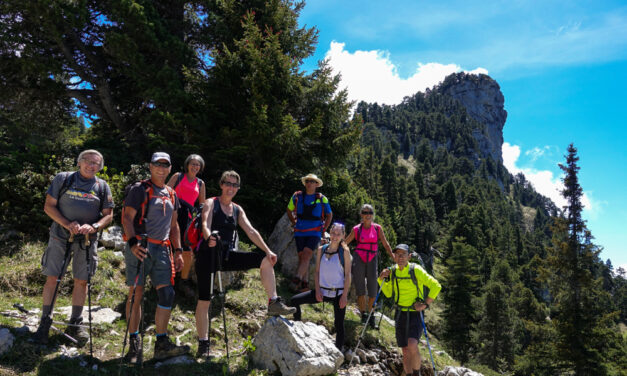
(372, 77)
(544, 181)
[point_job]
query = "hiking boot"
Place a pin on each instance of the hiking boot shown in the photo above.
(278, 308)
(364, 317)
(203, 349)
(79, 333)
(372, 321)
(304, 286)
(165, 348)
(41, 335)
(294, 285)
(133, 355)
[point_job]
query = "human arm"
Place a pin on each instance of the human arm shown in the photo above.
(175, 239)
(347, 274)
(51, 209)
(291, 208)
(129, 216)
(206, 220)
(350, 237)
(317, 275)
(383, 280)
(254, 236)
(203, 193)
(173, 180)
(385, 243)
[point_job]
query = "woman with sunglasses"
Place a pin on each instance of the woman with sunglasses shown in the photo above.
(190, 190)
(332, 279)
(367, 234)
(310, 214)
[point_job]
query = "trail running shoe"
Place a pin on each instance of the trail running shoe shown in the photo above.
(203, 349)
(278, 308)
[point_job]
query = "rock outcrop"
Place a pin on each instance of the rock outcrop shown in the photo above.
(484, 102)
(295, 348)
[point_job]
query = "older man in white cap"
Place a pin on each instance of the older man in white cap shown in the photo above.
(311, 215)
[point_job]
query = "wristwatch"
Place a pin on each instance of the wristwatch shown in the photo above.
(96, 226)
(178, 250)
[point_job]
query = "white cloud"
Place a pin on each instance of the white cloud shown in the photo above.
(544, 181)
(372, 77)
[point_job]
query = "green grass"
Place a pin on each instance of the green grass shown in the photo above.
(246, 304)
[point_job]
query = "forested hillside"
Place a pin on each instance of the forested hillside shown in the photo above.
(224, 79)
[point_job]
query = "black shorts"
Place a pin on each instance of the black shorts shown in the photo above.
(303, 242)
(207, 263)
(408, 325)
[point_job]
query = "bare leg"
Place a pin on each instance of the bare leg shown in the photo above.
(411, 356)
(202, 318)
(79, 293)
(267, 277)
(133, 326)
(304, 257)
(162, 317)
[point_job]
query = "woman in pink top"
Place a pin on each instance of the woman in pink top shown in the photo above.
(191, 193)
(367, 234)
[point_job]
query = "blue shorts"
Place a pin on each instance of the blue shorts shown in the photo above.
(310, 242)
(157, 265)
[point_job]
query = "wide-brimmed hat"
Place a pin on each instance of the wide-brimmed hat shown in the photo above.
(403, 247)
(311, 177)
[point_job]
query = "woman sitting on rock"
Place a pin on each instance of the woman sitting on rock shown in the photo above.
(332, 279)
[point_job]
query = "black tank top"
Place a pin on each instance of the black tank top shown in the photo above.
(227, 226)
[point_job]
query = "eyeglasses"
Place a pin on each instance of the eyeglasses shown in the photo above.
(367, 213)
(310, 181)
(91, 163)
(232, 185)
(161, 164)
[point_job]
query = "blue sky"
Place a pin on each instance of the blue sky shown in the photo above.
(562, 67)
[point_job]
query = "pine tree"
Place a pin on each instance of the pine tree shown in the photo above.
(460, 280)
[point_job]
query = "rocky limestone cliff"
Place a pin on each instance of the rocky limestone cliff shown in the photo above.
(484, 102)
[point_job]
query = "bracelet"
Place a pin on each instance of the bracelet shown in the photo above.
(178, 250)
(132, 242)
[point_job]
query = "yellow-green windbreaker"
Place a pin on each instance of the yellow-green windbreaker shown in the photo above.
(407, 294)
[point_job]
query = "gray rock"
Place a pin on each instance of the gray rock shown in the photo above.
(183, 359)
(281, 242)
(6, 340)
(372, 357)
(484, 102)
(458, 371)
(99, 315)
(295, 348)
(362, 355)
(112, 238)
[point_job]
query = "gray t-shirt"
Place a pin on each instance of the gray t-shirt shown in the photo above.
(159, 210)
(80, 202)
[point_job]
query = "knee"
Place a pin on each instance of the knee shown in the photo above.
(166, 297)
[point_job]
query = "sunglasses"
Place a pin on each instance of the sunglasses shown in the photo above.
(367, 213)
(161, 164)
(232, 185)
(311, 181)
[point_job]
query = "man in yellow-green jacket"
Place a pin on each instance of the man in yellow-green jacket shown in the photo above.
(406, 287)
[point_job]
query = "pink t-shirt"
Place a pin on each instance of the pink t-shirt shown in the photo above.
(188, 191)
(367, 240)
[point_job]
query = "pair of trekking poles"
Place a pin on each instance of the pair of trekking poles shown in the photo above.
(372, 310)
(66, 261)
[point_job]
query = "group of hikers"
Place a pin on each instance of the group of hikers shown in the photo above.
(157, 212)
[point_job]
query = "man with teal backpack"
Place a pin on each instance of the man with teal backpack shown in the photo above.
(406, 287)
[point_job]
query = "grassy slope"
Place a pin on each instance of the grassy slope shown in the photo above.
(22, 281)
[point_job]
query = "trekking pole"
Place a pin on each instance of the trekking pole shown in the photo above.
(365, 325)
(87, 246)
(422, 320)
(222, 291)
(140, 354)
(130, 312)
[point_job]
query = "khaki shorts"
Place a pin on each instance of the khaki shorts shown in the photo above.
(53, 258)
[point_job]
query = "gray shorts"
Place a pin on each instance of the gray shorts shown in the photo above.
(157, 265)
(365, 275)
(53, 258)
